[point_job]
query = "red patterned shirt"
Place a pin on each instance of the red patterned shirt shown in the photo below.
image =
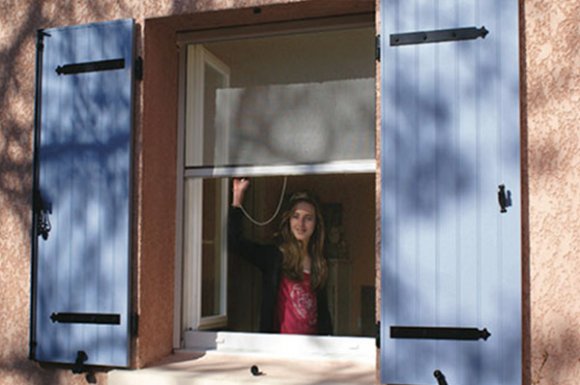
(296, 307)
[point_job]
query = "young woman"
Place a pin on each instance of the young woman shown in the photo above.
(294, 269)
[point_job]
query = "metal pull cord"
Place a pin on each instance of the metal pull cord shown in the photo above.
(264, 223)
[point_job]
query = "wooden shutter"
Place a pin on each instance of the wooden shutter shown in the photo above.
(450, 145)
(81, 235)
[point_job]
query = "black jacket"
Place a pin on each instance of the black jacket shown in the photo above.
(268, 259)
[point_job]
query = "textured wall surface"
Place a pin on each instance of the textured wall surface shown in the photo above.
(552, 58)
(550, 95)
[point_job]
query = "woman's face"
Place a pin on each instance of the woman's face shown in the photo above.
(303, 221)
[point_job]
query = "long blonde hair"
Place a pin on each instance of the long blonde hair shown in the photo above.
(290, 247)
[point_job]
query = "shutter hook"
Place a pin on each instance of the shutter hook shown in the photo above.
(440, 377)
(79, 367)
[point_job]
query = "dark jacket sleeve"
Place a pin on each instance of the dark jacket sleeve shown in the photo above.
(262, 256)
(266, 257)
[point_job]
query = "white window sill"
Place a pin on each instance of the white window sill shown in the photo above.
(227, 358)
(283, 345)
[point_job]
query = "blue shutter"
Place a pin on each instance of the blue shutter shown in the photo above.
(81, 243)
(450, 145)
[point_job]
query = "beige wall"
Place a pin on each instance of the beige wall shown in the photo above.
(550, 96)
(552, 128)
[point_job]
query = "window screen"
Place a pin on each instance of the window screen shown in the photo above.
(300, 99)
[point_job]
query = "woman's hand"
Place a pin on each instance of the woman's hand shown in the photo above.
(239, 187)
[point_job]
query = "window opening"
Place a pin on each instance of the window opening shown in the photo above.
(295, 109)
(347, 203)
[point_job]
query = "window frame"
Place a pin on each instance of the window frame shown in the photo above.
(186, 39)
(198, 59)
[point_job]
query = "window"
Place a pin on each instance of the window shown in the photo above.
(204, 202)
(293, 110)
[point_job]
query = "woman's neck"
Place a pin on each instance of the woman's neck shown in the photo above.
(306, 262)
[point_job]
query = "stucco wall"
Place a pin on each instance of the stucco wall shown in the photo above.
(552, 89)
(550, 95)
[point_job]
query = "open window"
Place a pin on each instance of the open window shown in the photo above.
(293, 109)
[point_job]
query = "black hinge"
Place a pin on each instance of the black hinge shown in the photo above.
(134, 325)
(439, 333)
(86, 318)
(93, 66)
(139, 68)
(32, 349)
(378, 335)
(438, 36)
(40, 34)
(378, 48)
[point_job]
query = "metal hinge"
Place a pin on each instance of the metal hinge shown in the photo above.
(139, 68)
(437, 36)
(134, 324)
(32, 350)
(92, 66)
(378, 48)
(40, 34)
(439, 333)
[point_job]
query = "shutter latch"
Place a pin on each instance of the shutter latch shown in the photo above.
(504, 198)
(43, 210)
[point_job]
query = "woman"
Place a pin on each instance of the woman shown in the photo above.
(294, 271)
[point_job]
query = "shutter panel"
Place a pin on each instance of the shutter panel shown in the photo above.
(81, 243)
(450, 138)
